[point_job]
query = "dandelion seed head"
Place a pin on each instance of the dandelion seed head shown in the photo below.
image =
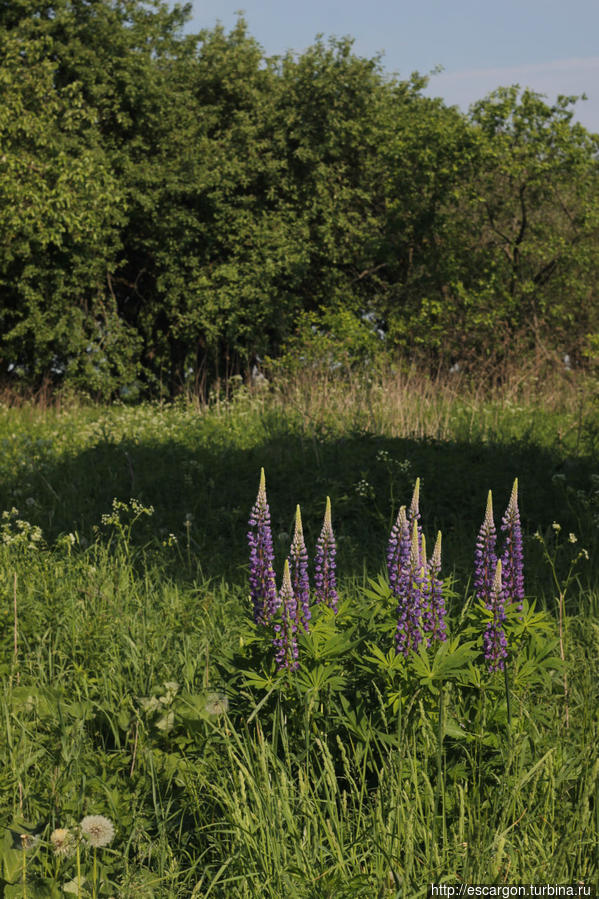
(28, 840)
(216, 703)
(98, 830)
(62, 841)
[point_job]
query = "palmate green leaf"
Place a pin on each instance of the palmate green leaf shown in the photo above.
(325, 642)
(472, 676)
(379, 589)
(448, 662)
(388, 663)
(528, 621)
(259, 681)
(320, 678)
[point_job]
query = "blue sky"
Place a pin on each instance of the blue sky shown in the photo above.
(551, 46)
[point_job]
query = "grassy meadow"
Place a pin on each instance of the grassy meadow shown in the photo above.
(135, 685)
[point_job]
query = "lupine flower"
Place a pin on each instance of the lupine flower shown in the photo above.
(98, 830)
(512, 562)
(434, 614)
(285, 641)
(485, 556)
(263, 589)
(298, 565)
(494, 640)
(325, 584)
(398, 553)
(409, 609)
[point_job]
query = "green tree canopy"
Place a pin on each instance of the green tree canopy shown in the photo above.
(172, 205)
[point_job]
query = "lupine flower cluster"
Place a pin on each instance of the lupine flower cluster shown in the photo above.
(512, 559)
(298, 564)
(263, 590)
(494, 639)
(415, 581)
(499, 581)
(414, 578)
(325, 582)
(285, 641)
(288, 610)
(434, 613)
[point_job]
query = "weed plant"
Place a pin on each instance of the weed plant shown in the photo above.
(137, 687)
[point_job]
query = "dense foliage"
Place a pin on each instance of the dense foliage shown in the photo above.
(173, 205)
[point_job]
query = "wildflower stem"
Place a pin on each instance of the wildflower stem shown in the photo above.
(508, 696)
(440, 737)
(562, 650)
(95, 875)
(24, 863)
(78, 870)
(16, 629)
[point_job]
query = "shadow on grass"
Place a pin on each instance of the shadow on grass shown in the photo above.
(366, 476)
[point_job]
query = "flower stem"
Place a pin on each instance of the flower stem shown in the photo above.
(440, 736)
(562, 650)
(78, 871)
(508, 695)
(24, 861)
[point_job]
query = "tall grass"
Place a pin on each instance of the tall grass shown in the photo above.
(124, 690)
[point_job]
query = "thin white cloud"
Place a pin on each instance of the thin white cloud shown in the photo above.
(585, 66)
(574, 76)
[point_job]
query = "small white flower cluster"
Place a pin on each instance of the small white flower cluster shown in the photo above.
(364, 489)
(14, 531)
(133, 507)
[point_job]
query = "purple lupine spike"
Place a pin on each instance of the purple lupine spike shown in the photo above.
(494, 639)
(485, 556)
(325, 585)
(512, 559)
(398, 552)
(434, 617)
(298, 564)
(263, 589)
(409, 608)
(285, 641)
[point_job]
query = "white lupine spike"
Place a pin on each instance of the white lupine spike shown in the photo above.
(327, 524)
(414, 505)
(299, 531)
(489, 524)
(402, 519)
(414, 548)
(497, 579)
(513, 503)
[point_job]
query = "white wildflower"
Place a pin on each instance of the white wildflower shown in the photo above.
(98, 830)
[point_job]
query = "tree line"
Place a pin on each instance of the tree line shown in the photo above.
(174, 205)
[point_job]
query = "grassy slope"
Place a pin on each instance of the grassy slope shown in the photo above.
(276, 807)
